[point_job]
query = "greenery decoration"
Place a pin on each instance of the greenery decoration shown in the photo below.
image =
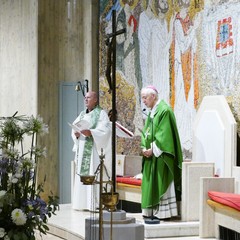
(22, 210)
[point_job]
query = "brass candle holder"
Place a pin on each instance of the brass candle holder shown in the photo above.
(87, 179)
(110, 201)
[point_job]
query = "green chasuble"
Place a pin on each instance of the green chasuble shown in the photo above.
(167, 167)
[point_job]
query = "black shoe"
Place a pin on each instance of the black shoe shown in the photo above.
(152, 220)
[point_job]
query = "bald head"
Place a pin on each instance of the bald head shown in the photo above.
(91, 100)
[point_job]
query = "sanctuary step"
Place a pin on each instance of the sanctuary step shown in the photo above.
(115, 225)
(70, 224)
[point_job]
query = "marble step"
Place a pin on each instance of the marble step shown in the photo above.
(171, 229)
(70, 224)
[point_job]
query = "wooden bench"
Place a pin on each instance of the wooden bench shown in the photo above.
(225, 216)
(129, 189)
(129, 192)
(128, 166)
(214, 214)
(224, 210)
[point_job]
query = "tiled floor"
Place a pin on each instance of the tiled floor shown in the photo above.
(70, 225)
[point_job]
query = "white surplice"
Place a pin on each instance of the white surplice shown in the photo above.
(84, 196)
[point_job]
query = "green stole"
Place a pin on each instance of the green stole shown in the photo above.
(88, 145)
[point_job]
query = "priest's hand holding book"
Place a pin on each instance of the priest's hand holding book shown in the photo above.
(86, 133)
(81, 127)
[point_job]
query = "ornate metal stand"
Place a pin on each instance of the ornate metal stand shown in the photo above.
(108, 199)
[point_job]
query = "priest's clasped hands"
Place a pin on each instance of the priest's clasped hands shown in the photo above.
(147, 152)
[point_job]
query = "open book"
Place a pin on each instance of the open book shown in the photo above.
(121, 131)
(79, 126)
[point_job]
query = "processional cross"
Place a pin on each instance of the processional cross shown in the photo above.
(111, 78)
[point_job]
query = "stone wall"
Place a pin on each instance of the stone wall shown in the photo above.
(44, 43)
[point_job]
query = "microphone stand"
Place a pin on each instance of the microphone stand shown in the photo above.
(152, 220)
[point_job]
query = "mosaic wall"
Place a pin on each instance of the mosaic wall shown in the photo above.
(186, 49)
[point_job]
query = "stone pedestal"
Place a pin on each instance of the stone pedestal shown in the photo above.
(192, 172)
(115, 226)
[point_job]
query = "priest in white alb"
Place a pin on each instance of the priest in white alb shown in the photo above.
(88, 141)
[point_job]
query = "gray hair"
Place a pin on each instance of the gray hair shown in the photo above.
(149, 90)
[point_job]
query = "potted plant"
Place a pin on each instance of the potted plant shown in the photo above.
(22, 210)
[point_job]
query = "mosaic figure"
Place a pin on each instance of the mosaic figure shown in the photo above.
(185, 74)
(161, 40)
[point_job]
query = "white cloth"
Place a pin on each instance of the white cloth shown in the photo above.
(83, 195)
(167, 207)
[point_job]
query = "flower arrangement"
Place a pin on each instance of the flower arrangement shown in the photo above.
(22, 210)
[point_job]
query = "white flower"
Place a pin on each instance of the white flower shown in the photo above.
(19, 217)
(2, 232)
(2, 193)
(14, 180)
(18, 175)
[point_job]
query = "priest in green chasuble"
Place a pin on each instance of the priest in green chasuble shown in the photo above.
(162, 158)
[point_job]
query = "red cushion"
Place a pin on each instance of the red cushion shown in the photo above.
(229, 199)
(129, 180)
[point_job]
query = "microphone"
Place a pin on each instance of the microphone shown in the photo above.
(145, 113)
